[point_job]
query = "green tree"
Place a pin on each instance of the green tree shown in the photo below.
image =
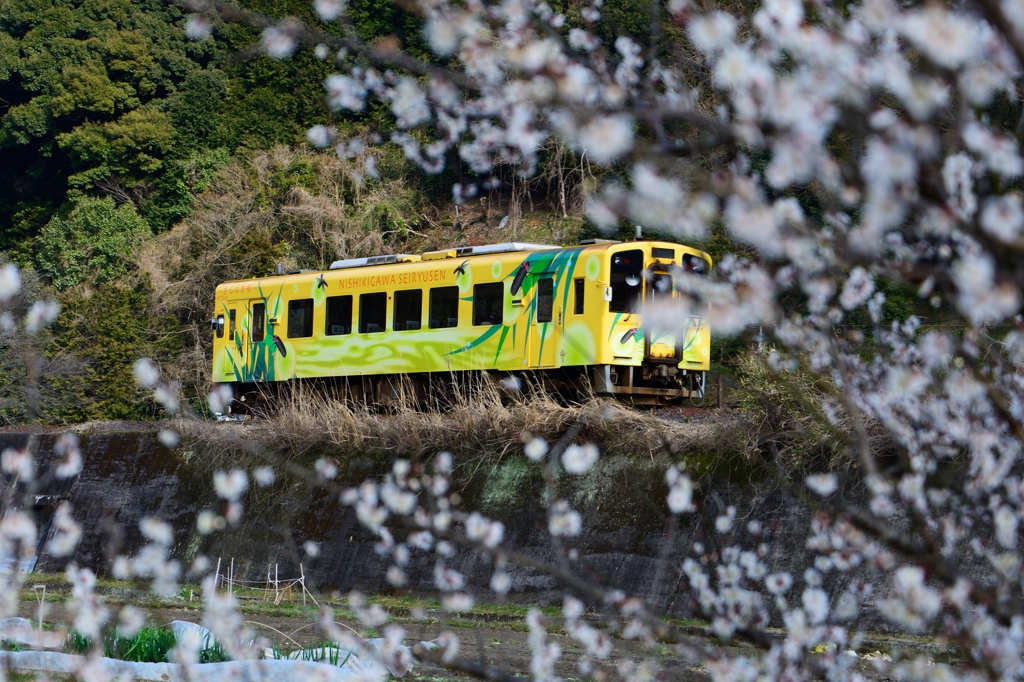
(95, 243)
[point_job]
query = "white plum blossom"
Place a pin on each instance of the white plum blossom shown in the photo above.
(823, 484)
(10, 281)
(279, 41)
(169, 438)
(219, 399)
(1002, 217)
(264, 476)
(536, 448)
(604, 139)
(564, 520)
(198, 27)
(778, 583)
(329, 10)
(858, 288)
(230, 485)
(41, 314)
(156, 530)
(579, 459)
(320, 136)
(712, 32)
(815, 603)
(484, 530)
(146, 372)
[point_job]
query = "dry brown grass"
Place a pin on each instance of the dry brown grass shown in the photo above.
(480, 427)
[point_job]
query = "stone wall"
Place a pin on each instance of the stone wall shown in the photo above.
(626, 542)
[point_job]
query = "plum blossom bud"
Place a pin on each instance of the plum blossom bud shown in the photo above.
(10, 281)
(579, 459)
(230, 485)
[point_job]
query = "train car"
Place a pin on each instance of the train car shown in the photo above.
(565, 315)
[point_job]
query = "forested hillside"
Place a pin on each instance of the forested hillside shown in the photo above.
(140, 167)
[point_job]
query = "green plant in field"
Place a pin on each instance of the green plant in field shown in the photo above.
(212, 652)
(148, 645)
(318, 652)
(77, 644)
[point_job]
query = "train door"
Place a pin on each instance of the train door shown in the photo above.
(257, 332)
(546, 322)
(662, 345)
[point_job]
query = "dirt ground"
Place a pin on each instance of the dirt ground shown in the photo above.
(501, 646)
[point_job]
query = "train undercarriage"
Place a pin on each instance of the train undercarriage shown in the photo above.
(648, 384)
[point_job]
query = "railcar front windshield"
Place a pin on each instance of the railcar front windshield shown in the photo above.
(626, 270)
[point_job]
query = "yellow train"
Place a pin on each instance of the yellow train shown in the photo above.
(564, 315)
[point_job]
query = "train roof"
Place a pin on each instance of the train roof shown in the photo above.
(454, 252)
(507, 247)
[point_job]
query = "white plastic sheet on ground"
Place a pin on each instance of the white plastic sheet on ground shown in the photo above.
(350, 668)
(251, 671)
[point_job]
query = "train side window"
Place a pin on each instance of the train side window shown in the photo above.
(231, 325)
(444, 307)
(488, 303)
(300, 318)
(339, 315)
(373, 313)
(259, 322)
(545, 299)
(408, 310)
(625, 280)
(579, 288)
